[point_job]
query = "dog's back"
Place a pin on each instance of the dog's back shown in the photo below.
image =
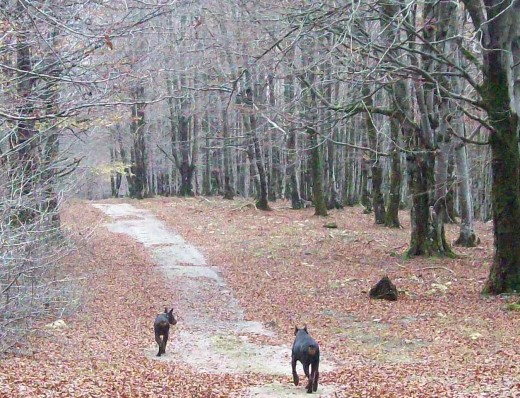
(305, 348)
(161, 325)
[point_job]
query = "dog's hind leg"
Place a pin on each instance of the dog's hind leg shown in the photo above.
(165, 340)
(296, 379)
(159, 343)
(315, 374)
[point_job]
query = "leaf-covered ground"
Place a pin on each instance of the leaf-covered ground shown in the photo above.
(441, 338)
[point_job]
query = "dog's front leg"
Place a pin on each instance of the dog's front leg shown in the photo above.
(296, 379)
(309, 380)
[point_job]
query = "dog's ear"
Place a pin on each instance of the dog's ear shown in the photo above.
(295, 330)
(171, 311)
(305, 328)
(165, 310)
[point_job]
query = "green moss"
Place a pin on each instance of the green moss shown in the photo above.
(514, 306)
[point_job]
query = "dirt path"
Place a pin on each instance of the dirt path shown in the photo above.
(213, 336)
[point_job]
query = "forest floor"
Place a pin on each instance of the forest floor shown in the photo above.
(240, 280)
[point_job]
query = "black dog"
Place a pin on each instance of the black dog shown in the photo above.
(306, 350)
(161, 327)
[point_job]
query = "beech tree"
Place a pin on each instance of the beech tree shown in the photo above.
(497, 24)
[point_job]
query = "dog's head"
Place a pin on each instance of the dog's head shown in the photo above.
(170, 316)
(296, 330)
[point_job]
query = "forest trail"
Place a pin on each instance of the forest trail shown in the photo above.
(212, 334)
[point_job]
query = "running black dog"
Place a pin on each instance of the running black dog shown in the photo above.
(161, 327)
(306, 350)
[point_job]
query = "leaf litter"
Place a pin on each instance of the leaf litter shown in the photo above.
(450, 343)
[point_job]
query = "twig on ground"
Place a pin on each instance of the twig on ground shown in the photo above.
(436, 267)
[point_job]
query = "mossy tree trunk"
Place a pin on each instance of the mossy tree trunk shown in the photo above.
(428, 207)
(504, 275)
(420, 170)
(498, 24)
(427, 236)
(378, 201)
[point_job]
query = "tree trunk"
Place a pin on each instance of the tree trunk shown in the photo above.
(292, 154)
(50, 94)
(193, 147)
(419, 166)
(394, 197)
(499, 28)
(366, 201)
(261, 202)
(377, 196)
(128, 173)
(318, 198)
(292, 170)
(24, 170)
(254, 151)
(467, 237)
(137, 128)
(504, 275)
(439, 210)
(451, 210)
(206, 178)
(274, 150)
(428, 235)
(113, 191)
(186, 168)
(333, 201)
(378, 203)
(228, 185)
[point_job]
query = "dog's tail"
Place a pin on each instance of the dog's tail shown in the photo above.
(312, 350)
